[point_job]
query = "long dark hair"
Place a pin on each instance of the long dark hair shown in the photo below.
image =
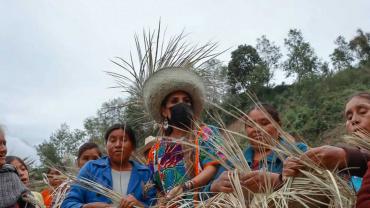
(270, 109)
(9, 159)
(126, 128)
(87, 146)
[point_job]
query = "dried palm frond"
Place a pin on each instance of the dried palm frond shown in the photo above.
(226, 147)
(60, 193)
(91, 186)
(325, 189)
(138, 157)
(97, 188)
(154, 52)
(29, 198)
(318, 187)
(360, 138)
(69, 178)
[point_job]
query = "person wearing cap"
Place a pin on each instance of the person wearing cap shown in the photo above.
(174, 98)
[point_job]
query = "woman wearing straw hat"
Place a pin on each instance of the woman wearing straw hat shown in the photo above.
(175, 98)
(167, 89)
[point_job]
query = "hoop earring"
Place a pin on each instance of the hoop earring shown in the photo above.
(165, 124)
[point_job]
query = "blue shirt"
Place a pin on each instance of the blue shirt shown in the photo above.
(356, 182)
(273, 162)
(100, 171)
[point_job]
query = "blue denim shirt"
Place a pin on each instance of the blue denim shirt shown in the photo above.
(100, 171)
(273, 162)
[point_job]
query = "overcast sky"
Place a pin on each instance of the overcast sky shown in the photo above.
(53, 53)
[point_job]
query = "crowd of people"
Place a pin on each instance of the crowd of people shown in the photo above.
(180, 161)
(186, 161)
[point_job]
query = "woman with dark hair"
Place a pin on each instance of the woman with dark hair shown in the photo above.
(352, 159)
(261, 126)
(115, 171)
(23, 173)
(13, 193)
(55, 194)
(174, 97)
(88, 151)
(54, 180)
(166, 81)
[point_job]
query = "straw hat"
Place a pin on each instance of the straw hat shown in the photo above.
(168, 80)
(149, 142)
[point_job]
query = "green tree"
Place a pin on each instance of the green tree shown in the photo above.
(360, 44)
(342, 57)
(140, 121)
(63, 143)
(302, 60)
(128, 111)
(269, 53)
(109, 113)
(246, 70)
(214, 74)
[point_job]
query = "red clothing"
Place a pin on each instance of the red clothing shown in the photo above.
(363, 196)
(255, 165)
(356, 160)
(48, 198)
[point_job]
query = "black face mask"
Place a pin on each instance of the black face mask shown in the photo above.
(181, 117)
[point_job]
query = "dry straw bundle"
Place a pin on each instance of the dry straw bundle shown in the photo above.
(360, 138)
(316, 187)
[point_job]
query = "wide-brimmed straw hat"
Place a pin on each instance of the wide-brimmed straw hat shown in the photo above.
(168, 80)
(149, 142)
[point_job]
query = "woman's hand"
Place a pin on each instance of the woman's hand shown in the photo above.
(130, 201)
(328, 157)
(260, 181)
(291, 167)
(222, 183)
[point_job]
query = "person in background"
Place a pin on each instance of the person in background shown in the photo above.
(54, 181)
(148, 144)
(115, 171)
(13, 193)
(23, 173)
(87, 151)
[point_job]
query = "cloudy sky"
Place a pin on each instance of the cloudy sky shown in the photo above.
(53, 53)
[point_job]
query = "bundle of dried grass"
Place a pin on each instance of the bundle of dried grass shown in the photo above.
(325, 189)
(360, 138)
(154, 51)
(316, 188)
